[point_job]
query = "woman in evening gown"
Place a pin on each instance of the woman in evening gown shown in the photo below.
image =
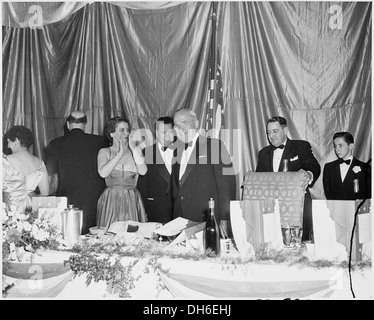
(22, 171)
(120, 165)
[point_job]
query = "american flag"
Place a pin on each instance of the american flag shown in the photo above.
(215, 107)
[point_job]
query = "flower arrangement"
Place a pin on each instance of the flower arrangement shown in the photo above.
(25, 232)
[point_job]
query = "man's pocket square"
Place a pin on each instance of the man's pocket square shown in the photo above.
(150, 198)
(202, 156)
(294, 158)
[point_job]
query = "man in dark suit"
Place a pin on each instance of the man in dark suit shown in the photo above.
(202, 169)
(339, 176)
(300, 158)
(72, 166)
(154, 186)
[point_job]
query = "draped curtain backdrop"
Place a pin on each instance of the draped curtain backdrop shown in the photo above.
(282, 58)
(145, 60)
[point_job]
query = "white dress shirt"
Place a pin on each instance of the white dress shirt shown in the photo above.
(186, 156)
(344, 168)
(277, 156)
(166, 155)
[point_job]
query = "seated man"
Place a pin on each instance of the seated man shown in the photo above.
(346, 178)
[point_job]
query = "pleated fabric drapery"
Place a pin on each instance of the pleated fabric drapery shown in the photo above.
(145, 60)
(27, 14)
(283, 58)
(105, 60)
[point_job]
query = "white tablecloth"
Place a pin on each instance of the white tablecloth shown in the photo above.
(188, 279)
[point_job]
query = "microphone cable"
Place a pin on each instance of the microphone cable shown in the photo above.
(366, 167)
(351, 245)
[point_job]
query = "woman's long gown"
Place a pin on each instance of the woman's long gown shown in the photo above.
(121, 200)
(18, 188)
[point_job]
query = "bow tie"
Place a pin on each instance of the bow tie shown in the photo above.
(163, 148)
(340, 160)
(186, 145)
(279, 147)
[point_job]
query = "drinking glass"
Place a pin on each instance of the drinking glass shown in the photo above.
(224, 229)
(297, 235)
(286, 234)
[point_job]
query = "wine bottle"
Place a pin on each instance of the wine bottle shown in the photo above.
(211, 232)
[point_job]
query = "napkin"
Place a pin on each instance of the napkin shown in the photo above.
(175, 227)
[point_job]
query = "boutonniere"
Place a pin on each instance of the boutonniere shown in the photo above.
(356, 169)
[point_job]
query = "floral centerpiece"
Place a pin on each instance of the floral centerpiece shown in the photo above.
(24, 233)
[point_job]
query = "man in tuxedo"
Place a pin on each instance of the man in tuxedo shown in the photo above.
(339, 176)
(300, 158)
(72, 166)
(202, 169)
(154, 186)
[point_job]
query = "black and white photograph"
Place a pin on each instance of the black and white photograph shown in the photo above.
(186, 155)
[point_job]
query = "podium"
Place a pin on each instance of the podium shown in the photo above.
(260, 189)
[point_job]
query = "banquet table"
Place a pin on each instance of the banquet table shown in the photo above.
(313, 271)
(49, 277)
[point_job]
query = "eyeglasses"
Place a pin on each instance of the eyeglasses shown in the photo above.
(183, 123)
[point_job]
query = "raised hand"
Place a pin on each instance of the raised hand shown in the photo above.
(131, 140)
(121, 150)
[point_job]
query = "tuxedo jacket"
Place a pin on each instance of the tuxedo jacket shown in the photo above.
(209, 174)
(299, 154)
(336, 189)
(154, 187)
(74, 158)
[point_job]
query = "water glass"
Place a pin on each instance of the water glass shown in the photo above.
(286, 234)
(297, 234)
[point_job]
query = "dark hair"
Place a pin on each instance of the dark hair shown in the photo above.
(346, 135)
(111, 126)
(23, 134)
(165, 120)
(6, 150)
(72, 119)
(282, 121)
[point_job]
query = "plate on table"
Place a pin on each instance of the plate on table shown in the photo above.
(97, 230)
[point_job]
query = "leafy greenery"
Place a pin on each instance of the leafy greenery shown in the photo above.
(294, 256)
(102, 261)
